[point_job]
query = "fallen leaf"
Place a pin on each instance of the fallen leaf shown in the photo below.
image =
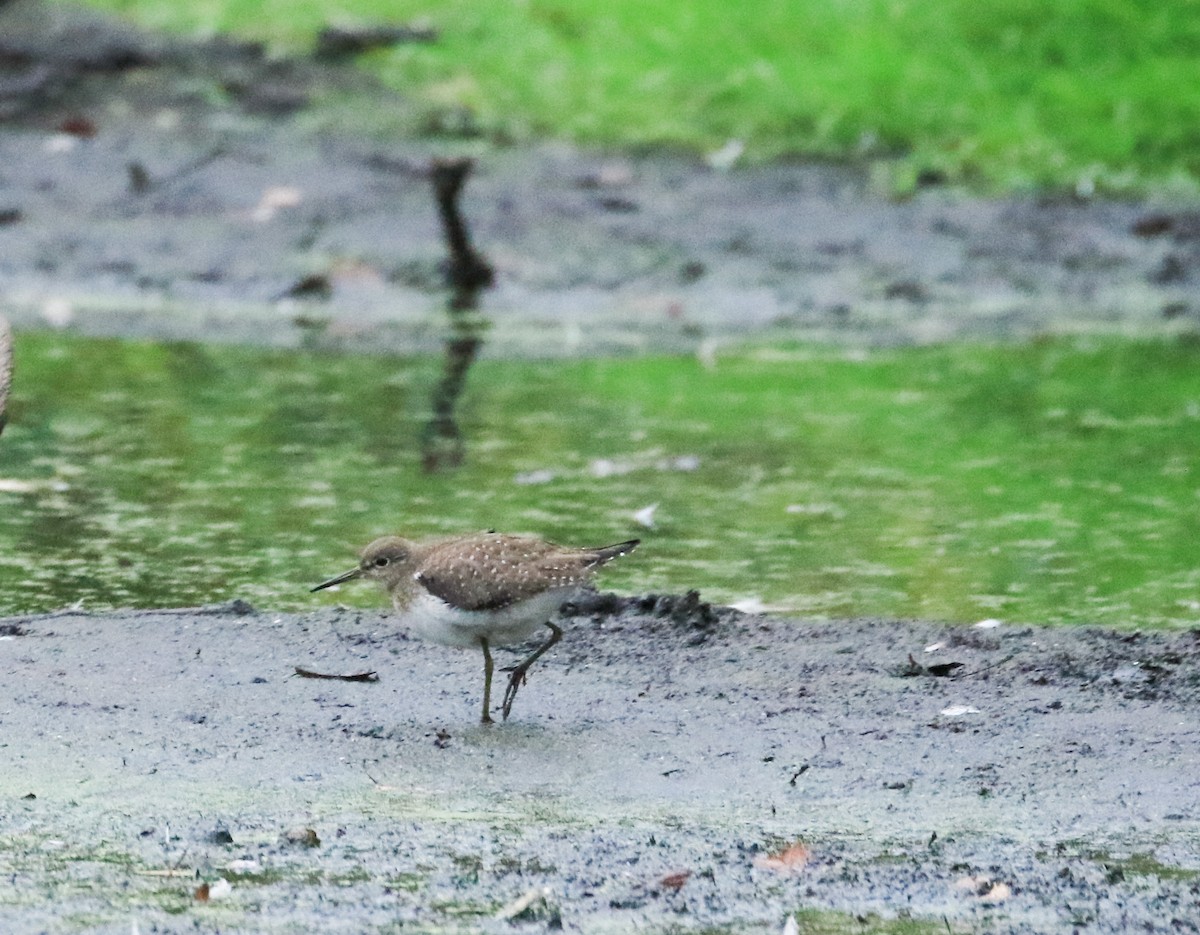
(985, 889)
(78, 125)
(675, 881)
(790, 860)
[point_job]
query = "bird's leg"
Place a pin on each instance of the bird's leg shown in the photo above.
(487, 682)
(517, 678)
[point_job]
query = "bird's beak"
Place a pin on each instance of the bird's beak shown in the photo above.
(348, 576)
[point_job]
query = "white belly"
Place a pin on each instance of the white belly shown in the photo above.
(431, 618)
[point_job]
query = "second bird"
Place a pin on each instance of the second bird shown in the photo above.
(481, 590)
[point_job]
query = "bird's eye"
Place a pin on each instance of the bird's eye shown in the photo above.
(382, 561)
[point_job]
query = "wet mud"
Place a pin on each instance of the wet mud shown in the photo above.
(1005, 780)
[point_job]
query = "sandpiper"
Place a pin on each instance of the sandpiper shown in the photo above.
(481, 590)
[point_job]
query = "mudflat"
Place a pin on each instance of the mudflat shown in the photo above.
(1004, 779)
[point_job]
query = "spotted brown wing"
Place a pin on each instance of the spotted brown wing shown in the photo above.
(488, 572)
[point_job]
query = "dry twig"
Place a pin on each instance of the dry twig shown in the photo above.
(354, 677)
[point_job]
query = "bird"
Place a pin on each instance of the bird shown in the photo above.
(481, 590)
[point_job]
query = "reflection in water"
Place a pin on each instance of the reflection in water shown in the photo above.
(5, 366)
(467, 272)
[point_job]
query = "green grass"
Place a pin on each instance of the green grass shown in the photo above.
(1007, 93)
(1141, 865)
(1050, 482)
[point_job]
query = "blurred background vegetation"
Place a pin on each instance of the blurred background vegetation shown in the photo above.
(1080, 94)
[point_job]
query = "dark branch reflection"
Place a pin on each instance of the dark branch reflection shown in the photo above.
(467, 273)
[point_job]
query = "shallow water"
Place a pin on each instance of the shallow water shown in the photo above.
(1052, 482)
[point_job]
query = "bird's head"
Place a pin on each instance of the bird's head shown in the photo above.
(388, 560)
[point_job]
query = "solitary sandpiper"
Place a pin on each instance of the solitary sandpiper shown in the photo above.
(481, 590)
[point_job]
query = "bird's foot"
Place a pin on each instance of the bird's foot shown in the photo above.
(517, 677)
(518, 672)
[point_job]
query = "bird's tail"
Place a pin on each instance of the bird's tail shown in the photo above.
(609, 552)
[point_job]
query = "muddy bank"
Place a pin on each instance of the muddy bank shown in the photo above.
(211, 191)
(659, 741)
